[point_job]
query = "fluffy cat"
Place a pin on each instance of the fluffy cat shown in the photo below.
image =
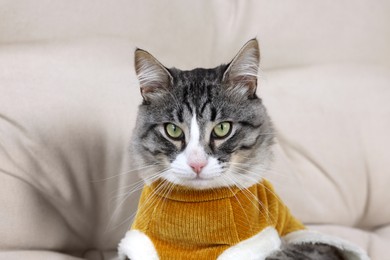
(204, 130)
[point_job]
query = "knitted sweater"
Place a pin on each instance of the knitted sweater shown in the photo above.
(201, 224)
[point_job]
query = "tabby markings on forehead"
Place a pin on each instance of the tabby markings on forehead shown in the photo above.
(185, 100)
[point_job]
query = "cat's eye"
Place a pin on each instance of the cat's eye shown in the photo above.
(173, 131)
(222, 129)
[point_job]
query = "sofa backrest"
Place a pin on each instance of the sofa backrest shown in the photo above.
(296, 32)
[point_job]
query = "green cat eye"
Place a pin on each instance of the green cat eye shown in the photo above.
(222, 129)
(173, 131)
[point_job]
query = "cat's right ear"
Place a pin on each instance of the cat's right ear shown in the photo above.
(241, 74)
(153, 77)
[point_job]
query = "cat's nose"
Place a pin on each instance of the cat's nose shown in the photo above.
(197, 166)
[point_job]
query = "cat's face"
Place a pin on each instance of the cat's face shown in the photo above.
(203, 128)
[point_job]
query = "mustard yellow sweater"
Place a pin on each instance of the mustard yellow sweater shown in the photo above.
(201, 224)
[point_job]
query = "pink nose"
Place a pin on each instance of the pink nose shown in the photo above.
(197, 166)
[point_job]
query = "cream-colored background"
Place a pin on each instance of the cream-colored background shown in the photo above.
(68, 100)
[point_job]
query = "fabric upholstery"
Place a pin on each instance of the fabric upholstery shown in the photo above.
(69, 95)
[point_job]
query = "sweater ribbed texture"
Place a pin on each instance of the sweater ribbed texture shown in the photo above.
(201, 224)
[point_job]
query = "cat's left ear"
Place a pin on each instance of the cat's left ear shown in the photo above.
(155, 80)
(241, 74)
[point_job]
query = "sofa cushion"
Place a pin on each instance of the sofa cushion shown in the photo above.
(331, 162)
(66, 113)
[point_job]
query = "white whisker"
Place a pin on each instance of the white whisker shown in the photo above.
(129, 193)
(127, 172)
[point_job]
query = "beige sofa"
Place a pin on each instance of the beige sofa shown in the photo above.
(68, 100)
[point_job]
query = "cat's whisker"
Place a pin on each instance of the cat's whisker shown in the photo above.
(141, 182)
(156, 175)
(151, 200)
(149, 203)
(239, 202)
(257, 203)
(246, 171)
(264, 170)
(251, 164)
(266, 173)
(250, 197)
(270, 173)
(269, 190)
(126, 173)
(130, 186)
(125, 193)
(168, 191)
(163, 189)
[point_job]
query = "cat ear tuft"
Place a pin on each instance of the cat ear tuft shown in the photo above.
(154, 78)
(241, 74)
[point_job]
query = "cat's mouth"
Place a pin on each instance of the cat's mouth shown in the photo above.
(199, 177)
(205, 178)
(201, 181)
(197, 181)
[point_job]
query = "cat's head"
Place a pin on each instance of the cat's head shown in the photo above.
(203, 128)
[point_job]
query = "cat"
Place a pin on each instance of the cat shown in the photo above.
(207, 129)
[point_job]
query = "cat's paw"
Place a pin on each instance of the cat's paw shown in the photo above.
(307, 251)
